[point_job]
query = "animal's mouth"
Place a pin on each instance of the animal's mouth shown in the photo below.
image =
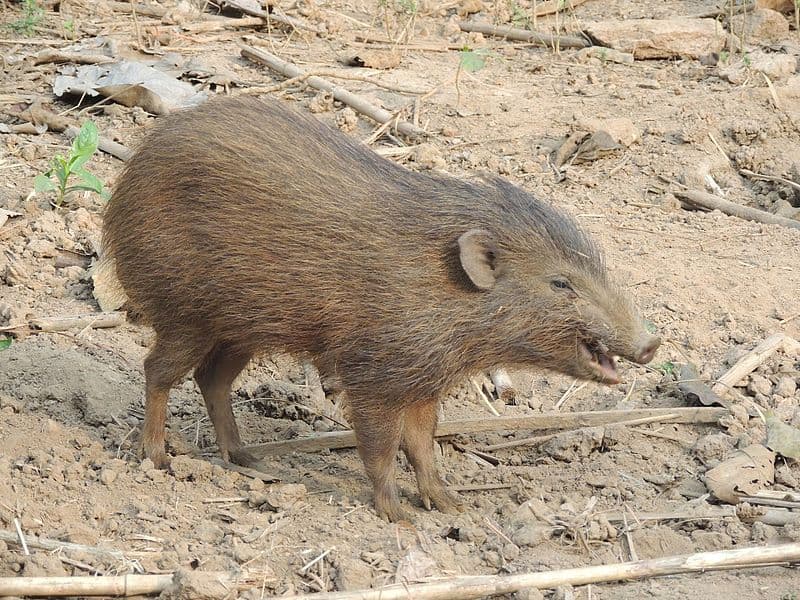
(596, 357)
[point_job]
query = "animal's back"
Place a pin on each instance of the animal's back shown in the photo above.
(245, 216)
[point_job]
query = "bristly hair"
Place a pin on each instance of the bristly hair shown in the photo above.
(520, 214)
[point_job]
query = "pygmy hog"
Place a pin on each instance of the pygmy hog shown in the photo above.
(245, 227)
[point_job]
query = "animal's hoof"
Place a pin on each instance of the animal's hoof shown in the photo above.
(242, 458)
(444, 501)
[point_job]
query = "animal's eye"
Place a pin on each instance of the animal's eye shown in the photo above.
(561, 284)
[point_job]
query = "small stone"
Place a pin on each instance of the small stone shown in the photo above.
(284, 497)
(774, 66)
(185, 468)
(428, 157)
(156, 475)
(572, 445)
(786, 386)
(147, 465)
(784, 476)
(476, 535)
(208, 532)
(449, 131)
(511, 551)
(713, 447)
(346, 119)
(108, 476)
(322, 102)
(531, 534)
(564, 592)
(352, 574)
(759, 385)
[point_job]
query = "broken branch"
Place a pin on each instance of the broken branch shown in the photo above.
(750, 361)
(93, 321)
(347, 439)
(358, 103)
(706, 201)
(463, 588)
(524, 35)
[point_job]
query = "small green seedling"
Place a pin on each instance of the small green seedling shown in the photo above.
(5, 342)
(32, 14)
(56, 179)
(667, 368)
(472, 60)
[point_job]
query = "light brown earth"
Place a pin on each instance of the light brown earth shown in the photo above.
(714, 286)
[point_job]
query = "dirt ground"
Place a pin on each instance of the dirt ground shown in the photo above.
(714, 286)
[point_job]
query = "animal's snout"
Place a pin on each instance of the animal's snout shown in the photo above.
(646, 348)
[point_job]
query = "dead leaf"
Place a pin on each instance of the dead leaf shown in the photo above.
(694, 390)
(746, 472)
(131, 84)
(415, 566)
(782, 438)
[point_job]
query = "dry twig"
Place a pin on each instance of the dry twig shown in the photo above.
(524, 35)
(463, 588)
(358, 103)
(750, 361)
(347, 439)
(710, 202)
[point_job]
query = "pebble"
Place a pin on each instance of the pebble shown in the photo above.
(759, 385)
(786, 386)
(108, 476)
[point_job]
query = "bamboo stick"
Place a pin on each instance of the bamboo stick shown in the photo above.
(463, 588)
(347, 439)
(123, 585)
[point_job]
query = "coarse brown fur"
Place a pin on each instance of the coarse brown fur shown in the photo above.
(243, 227)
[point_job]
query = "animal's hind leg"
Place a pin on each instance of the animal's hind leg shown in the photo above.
(166, 363)
(419, 426)
(214, 376)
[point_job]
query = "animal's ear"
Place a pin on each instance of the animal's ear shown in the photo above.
(477, 254)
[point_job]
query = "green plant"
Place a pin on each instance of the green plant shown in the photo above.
(472, 60)
(5, 342)
(667, 368)
(409, 7)
(61, 169)
(32, 13)
(469, 60)
(519, 16)
(69, 28)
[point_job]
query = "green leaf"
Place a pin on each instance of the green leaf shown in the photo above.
(650, 326)
(94, 183)
(668, 368)
(43, 183)
(84, 145)
(5, 343)
(473, 60)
